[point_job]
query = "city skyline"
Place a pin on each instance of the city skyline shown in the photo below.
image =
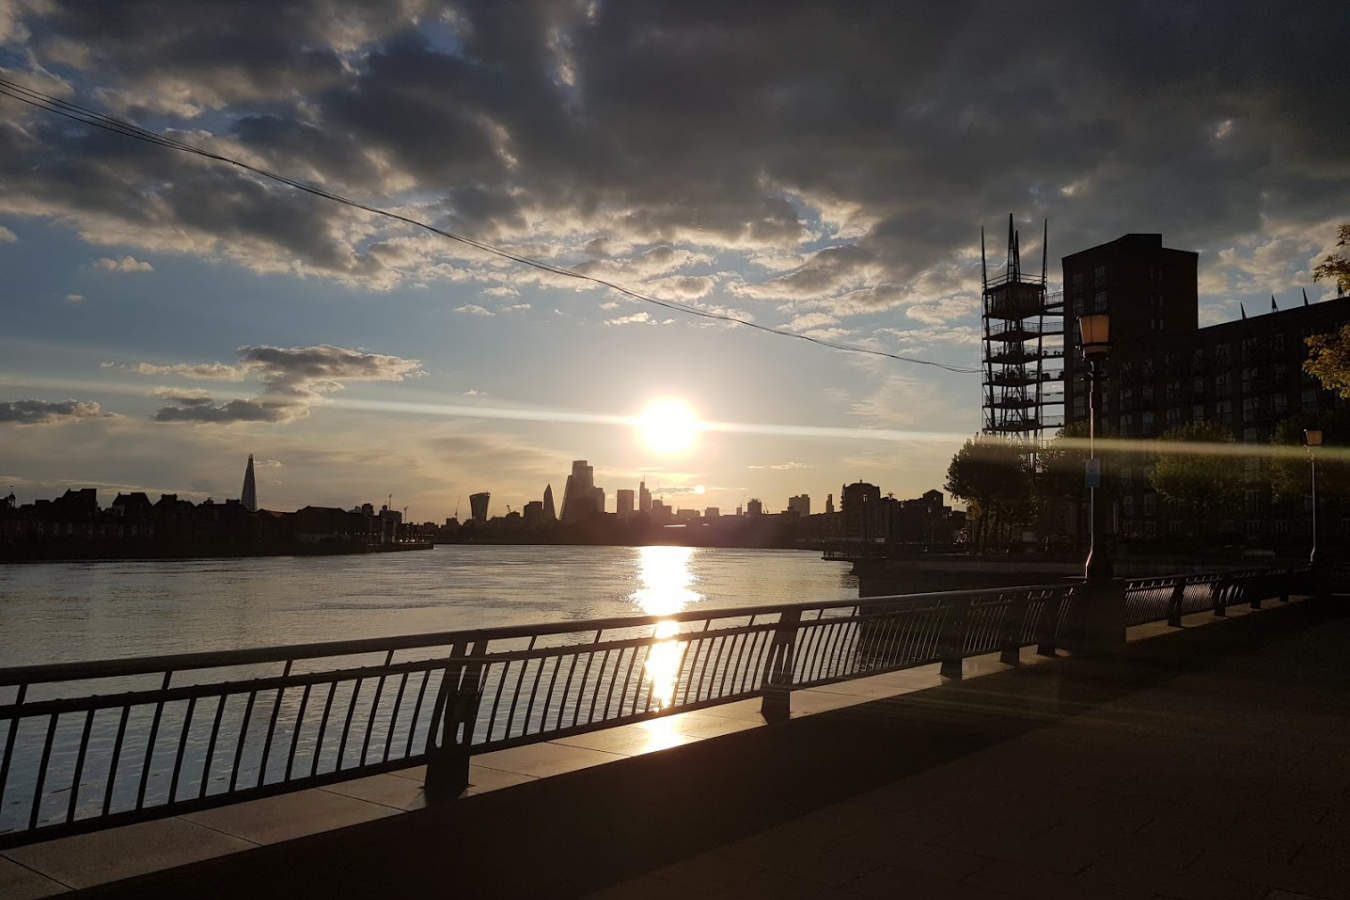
(172, 310)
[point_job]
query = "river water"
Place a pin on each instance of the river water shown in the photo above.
(65, 612)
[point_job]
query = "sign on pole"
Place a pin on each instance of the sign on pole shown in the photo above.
(1093, 473)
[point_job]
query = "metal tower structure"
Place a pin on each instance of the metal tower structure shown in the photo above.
(1023, 348)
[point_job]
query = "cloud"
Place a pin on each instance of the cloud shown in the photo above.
(73, 298)
(638, 318)
(43, 412)
(125, 264)
(268, 464)
(292, 380)
(944, 310)
(840, 163)
(809, 321)
(782, 466)
(473, 309)
(7, 236)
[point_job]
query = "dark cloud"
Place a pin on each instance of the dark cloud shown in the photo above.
(43, 412)
(870, 138)
(293, 379)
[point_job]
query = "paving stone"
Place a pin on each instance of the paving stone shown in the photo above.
(289, 816)
(543, 760)
(86, 860)
(386, 790)
(630, 740)
(21, 883)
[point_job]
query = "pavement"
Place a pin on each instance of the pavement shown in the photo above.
(1208, 762)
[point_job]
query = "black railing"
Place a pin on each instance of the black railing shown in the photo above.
(93, 745)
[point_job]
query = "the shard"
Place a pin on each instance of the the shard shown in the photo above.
(249, 497)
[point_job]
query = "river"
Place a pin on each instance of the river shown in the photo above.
(66, 612)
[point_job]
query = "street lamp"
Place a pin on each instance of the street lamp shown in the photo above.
(1313, 436)
(1095, 331)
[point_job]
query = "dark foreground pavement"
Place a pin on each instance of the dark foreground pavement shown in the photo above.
(1211, 762)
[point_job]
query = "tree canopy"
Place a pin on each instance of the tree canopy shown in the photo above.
(1290, 475)
(993, 475)
(1329, 360)
(1209, 483)
(1336, 266)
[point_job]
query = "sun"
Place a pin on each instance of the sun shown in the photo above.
(668, 426)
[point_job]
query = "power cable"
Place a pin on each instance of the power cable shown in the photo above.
(98, 120)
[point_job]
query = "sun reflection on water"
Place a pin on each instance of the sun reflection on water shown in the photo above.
(666, 579)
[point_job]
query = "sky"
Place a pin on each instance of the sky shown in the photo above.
(822, 168)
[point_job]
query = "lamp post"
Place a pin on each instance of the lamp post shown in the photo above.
(1313, 437)
(1095, 331)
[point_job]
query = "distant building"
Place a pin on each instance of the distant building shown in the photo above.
(624, 503)
(754, 508)
(644, 498)
(581, 498)
(550, 514)
(829, 504)
(862, 512)
(534, 514)
(249, 495)
(712, 512)
(660, 512)
(686, 514)
(478, 506)
(799, 505)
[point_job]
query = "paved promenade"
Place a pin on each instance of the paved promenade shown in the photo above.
(1209, 763)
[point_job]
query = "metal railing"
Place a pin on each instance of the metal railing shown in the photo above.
(92, 745)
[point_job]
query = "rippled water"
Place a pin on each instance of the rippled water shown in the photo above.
(58, 612)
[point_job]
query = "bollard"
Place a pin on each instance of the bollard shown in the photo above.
(952, 642)
(1014, 623)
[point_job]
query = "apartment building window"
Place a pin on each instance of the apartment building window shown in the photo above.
(1099, 302)
(1146, 422)
(1127, 505)
(1310, 400)
(1251, 408)
(1223, 411)
(1079, 407)
(1221, 353)
(1277, 344)
(1198, 386)
(1279, 405)
(1126, 477)
(1197, 411)
(1173, 417)
(1127, 425)
(1173, 391)
(1281, 526)
(1223, 384)
(1146, 392)
(1150, 528)
(1250, 375)
(1150, 503)
(1100, 274)
(1077, 280)
(1279, 374)
(1198, 359)
(1077, 307)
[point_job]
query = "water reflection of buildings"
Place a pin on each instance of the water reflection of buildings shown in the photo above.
(666, 589)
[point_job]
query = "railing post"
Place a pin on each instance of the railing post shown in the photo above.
(1014, 624)
(1047, 624)
(1219, 592)
(1174, 603)
(777, 703)
(1258, 587)
(453, 720)
(951, 649)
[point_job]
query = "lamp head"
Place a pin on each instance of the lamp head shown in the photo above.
(1095, 331)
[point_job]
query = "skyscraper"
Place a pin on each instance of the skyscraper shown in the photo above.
(644, 498)
(550, 514)
(624, 499)
(248, 498)
(800, 505)
(478, 505)
(581, 497)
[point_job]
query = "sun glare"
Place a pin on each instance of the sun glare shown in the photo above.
(668, 426)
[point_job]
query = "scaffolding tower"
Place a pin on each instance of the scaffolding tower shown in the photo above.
(1023, 349)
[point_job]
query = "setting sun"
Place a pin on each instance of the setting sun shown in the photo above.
(668, 426)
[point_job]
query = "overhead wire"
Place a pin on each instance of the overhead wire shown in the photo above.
(96, 119)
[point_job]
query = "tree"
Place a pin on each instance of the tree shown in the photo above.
(1290, 473)
(1329, 360)
(1336, 266)
(993, 476)
(1209, 482)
